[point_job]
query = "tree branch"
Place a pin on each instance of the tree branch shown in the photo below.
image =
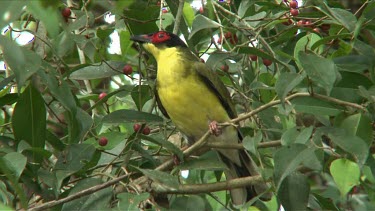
(80, 194)
(221, 145)
(210, 187)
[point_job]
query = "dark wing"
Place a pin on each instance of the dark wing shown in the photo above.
(160, 105)
(214, 83)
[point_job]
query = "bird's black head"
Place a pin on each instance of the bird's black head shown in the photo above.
(160, 38)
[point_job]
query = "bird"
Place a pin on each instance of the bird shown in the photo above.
(195, 99)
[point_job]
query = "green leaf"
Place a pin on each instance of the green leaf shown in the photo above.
(352, 63)
(321, 71)
(294, 192)
(350, 143)
(305, 135)
(192, 202)
(98, 70)
(203, 163)
(22, 61)
(166, 144)
(72, 160)
(16, 163)
(78, 125)
(289, 137)
(50, 16)
(346, 174)
(251, 143)
(29, 119)
(202, 22)
(286, 83)
(140, 95)
(305, 43)
(288, 158)
(346, 18)
(359, 125)
(130, 201)
(188, 14)
(315, 106)
(163, 178)
(8, 99)
(124, 115)
(99, 200)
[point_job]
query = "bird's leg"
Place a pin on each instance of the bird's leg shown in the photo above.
(214, 128)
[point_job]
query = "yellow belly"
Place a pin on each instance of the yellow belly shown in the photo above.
(191, 105)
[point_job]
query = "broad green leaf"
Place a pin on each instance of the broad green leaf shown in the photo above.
(294, 192)
(202, 22)
(163, 178)
(16, 163)
(50, 16)
(188, 14)
(315, 106)
(192, 202)
(359, 125)
(304, 135)
(130, 201)
(352, 63)
(203, 163)
(22, 61)
(99, 200)
(99, 70)
(289, 137)
(288, 158)
(350, 143)
(244, 6)
(346, 18)
(72, 160)
(346, 174)
(29, 119)
(6, 81)
(286, 83)
(11, 11)
(305, 43)
(166, 144)
(320, 70)
(78, 124)
(141, 94)
(83, 19)
(124, 115)
(8, 99)
(251, 143)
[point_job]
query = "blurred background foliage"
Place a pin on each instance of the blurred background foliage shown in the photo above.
(78, 109)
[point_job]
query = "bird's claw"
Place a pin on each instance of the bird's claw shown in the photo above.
(214, 128)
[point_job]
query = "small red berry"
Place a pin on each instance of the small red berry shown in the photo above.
(219, 40)
(253, 57)
(136, 127)
(66, 12)
(201, 10)
(316, 30)
(308, 23)
(227, 35)
(294, 12)
(202, 60)
(293, 4)
(103, 141)
(127, 70)
(287, 21)
(301, 23)
(102, 95)
(146, 130)
(224, 68)
(267, 62)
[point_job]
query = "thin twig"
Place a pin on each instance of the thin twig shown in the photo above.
(178, 16)
(80, 194)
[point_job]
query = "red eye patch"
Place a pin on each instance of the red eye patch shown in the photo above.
(160, 37)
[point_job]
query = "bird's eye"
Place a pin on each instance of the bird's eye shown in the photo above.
(160, 35)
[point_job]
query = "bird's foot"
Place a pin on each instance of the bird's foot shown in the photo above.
(214, 128)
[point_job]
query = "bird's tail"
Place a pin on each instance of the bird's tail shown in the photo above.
(248, 167)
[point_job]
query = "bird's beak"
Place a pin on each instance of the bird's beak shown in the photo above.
(141, 38)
